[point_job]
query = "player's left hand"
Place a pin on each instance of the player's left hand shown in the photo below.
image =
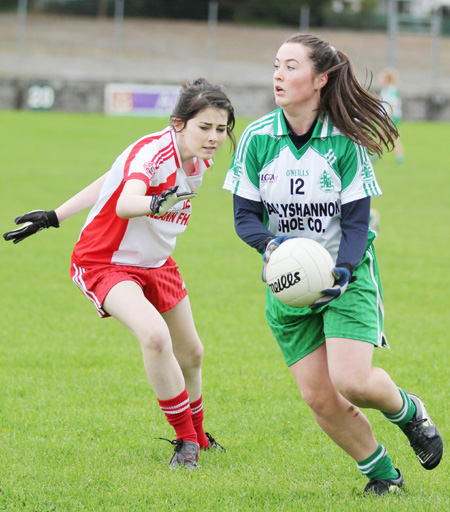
(270, 247)
(342, 278)
(161, 204)
(34, 221)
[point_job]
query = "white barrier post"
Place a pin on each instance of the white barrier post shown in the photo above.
(213, 10)
(118, 33)
(393, 33)
(22, 8)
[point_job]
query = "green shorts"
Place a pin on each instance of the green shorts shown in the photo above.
(357, 315)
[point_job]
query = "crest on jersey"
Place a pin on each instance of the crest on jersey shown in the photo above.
(149, 169)
(325, 182)
(237, 171)
(367, 174)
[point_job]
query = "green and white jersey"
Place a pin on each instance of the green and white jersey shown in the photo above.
(392, 100)
(302, 189)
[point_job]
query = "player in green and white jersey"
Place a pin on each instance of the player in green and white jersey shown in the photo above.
(302, 188)
(304, 171)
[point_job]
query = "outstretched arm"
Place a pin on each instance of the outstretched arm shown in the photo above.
(37, 220)
(84, 199)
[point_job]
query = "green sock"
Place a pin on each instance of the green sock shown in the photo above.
(378, 465)
(404, 415)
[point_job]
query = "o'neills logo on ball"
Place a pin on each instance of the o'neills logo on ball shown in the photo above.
(284, 282)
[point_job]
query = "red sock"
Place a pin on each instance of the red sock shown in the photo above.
(197, 420)
(179, 415)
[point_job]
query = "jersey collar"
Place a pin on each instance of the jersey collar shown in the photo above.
(322, 129)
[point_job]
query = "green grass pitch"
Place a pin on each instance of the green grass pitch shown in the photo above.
(77, 416)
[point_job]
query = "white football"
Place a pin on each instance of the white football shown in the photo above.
(298, 270)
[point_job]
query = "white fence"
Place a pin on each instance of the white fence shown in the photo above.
(68, 60)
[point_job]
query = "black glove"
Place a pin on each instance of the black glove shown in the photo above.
(161, 204)
(35, 221)
(342, 278)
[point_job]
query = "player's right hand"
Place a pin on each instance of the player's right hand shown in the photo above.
(270, 247)
(35, 221)
(161, 204)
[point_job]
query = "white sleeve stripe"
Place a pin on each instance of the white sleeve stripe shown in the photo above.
(254, 129)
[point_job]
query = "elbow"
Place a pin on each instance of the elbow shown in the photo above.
(121, 211)
(236, 224)
(238, 227)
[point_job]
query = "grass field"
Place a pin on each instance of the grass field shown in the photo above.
(77, 416)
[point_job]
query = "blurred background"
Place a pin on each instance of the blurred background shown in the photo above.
(128, 57)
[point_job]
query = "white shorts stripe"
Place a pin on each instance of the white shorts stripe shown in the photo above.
(380, 306)
(78, 280)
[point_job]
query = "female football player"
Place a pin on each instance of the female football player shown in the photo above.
(122, 261)
(304, 171)
(392, 101)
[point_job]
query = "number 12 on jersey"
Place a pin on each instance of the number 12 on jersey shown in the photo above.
(297, 186)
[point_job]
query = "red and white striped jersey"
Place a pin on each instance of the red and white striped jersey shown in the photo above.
(145, 241)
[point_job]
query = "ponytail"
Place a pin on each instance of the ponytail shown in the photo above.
(359, 115)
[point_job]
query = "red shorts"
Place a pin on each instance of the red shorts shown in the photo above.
(163, 286)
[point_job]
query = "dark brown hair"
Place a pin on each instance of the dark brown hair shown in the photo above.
(199, 95)
(358, 114)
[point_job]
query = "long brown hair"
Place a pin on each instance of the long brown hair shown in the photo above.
(358, 114)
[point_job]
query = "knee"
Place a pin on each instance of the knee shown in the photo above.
(317, 401)
(194, 358)
(155, 339)
(352, 388)
(197, 355)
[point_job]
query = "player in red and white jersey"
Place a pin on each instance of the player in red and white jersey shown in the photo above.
(147, 240)
(122, 260)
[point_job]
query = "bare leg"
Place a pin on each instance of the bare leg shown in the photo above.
(187, 346)
(339, 419)
(352, 373)
(398, 150)
(127, 303)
